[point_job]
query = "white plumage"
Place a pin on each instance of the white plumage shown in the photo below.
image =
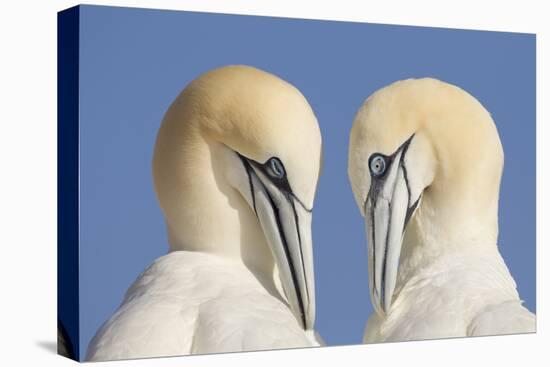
(236, 165)
(461, 294)
(425, 164)
(195, 303)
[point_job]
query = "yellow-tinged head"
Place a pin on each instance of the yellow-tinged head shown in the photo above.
(425, 162)
(236, 166)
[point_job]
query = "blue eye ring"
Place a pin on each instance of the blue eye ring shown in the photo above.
(377, 165)
(275, 168)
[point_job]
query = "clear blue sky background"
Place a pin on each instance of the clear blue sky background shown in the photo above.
(134, 62)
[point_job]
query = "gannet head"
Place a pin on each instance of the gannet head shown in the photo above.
(238, 139)
(425, 162)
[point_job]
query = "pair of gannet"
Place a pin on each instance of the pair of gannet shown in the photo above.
(425, 163)
(236, 165)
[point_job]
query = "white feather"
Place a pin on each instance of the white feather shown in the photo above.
(195, 303)
(461, 294)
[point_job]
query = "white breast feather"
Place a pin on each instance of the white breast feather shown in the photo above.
(457, 296)
(192, 303)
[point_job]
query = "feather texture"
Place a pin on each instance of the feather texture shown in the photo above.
(195, 303)
(467, 294)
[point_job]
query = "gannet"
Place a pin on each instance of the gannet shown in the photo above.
(425, 163)
(236, 164)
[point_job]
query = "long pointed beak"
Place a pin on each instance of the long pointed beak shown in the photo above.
(286, 224)
(387, 211)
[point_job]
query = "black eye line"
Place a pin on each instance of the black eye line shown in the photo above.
(282, 182)
(249, 171)
(378, 180)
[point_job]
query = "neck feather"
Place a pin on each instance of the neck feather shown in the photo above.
(202, 211)
(456, 228)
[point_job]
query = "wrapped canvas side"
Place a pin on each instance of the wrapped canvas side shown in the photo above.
(67, 176)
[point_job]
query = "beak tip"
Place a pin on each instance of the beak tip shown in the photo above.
(381, 304)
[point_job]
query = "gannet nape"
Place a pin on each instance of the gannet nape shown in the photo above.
(425, 162)
(235, 166)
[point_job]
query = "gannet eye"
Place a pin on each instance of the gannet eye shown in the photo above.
(377, 165)
(275, 168)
